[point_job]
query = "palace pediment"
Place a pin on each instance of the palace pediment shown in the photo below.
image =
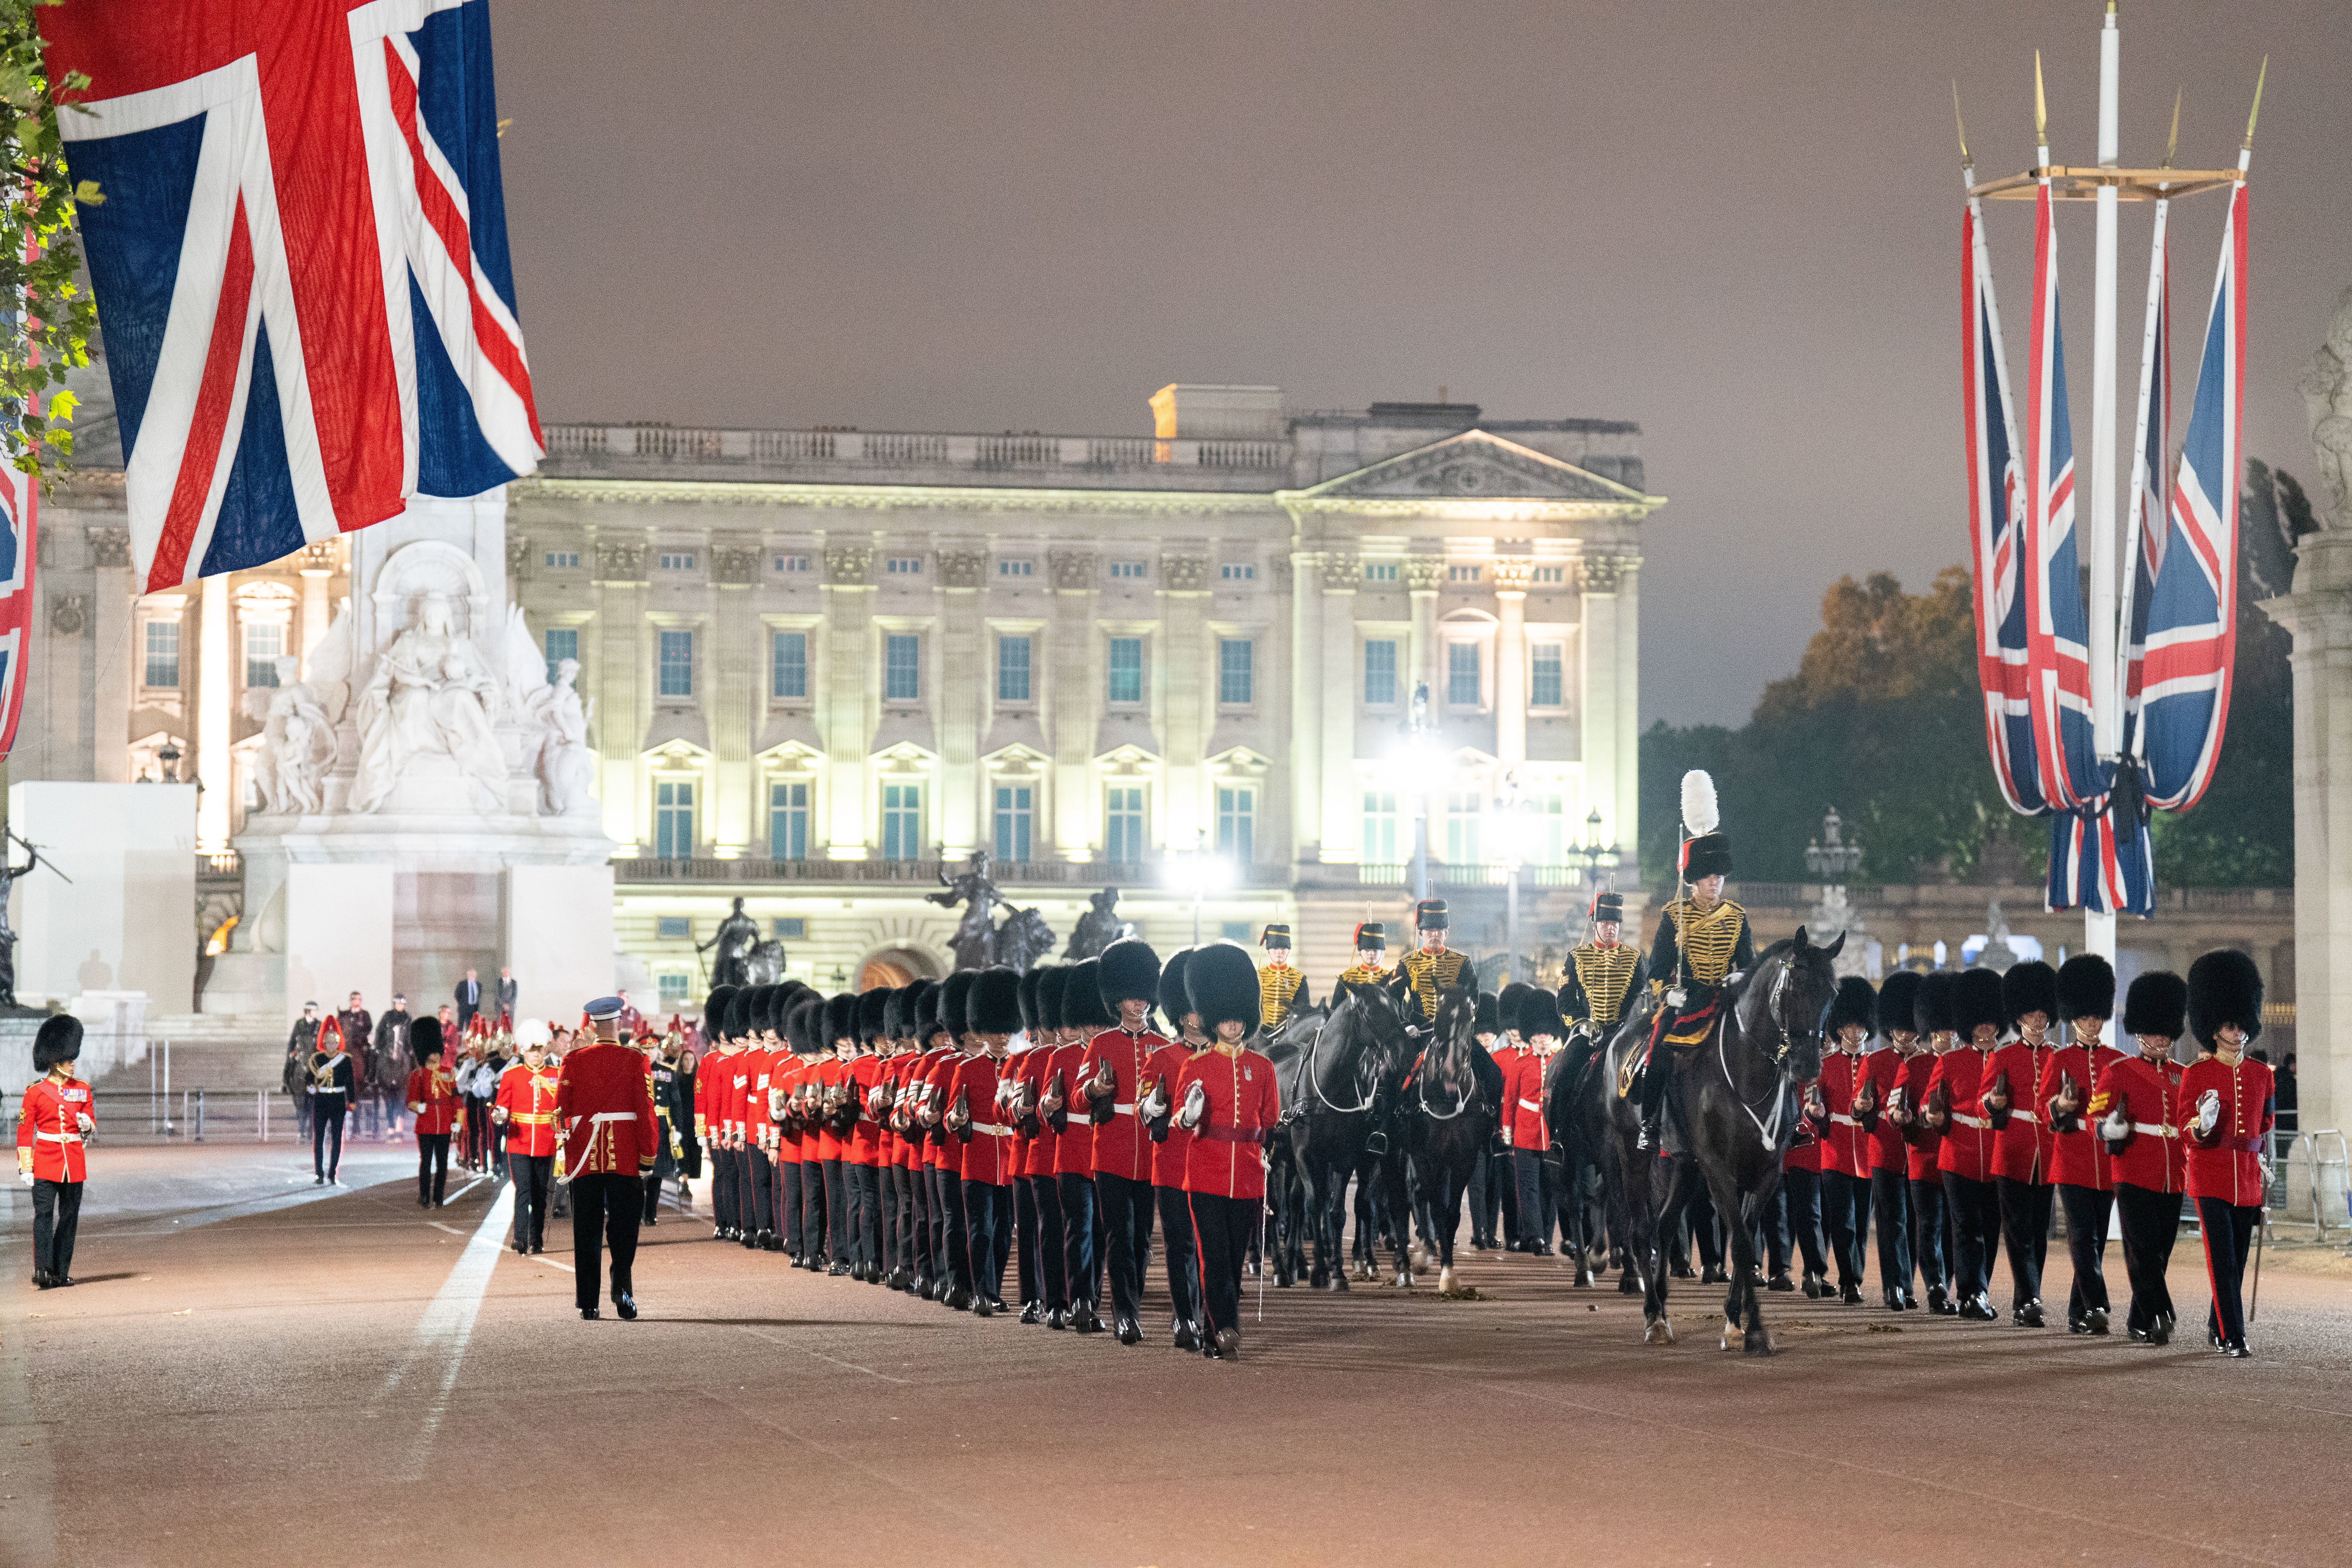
(1473, 467)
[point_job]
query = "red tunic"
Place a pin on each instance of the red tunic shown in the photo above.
(1506, 1057)
(1166, 1065)
(2078, 1158)
(528, 1099)
(706, 1080)
(830, 1074)
(604, 1104)
(866, 1136)
(1845, 1146)
(432, 1094)
(2227, 1163)
(947, 1149)
(51, 1126)
(1966, 1149)
(1919, 1144)
(1121, 1147)
(734, 1089)
(2155, 1156)
(1884, 1068)
(2022, 1152)
(1036, 1152)
(1074, 1152)
(784, 1077)
(1523, 1117)
(989, 1157)
(906, 1148)
(1243, 1105)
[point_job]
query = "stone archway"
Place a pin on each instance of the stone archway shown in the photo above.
(896, 966)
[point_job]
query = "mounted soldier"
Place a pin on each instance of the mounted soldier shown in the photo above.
(1371, 945)
(1703, 942)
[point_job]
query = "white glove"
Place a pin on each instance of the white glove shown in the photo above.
(82, 1120)
(2208, 1112)
(26, 1177)
(1196, 1106)
(1677, 996)
(563, 1177)
(779, 1104)
(1155, 1104)
(874, 1099)
(2116, 1127)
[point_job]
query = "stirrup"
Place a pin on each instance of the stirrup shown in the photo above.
(1377, 1142)
(1649, 1138)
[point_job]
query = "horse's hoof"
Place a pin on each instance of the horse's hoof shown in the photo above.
(1445, 1281)
(1731, 1336)
(1404, 1279)
(1659, 1331)
(1584, 1279)
(1339, 1284)
(1760, 1345)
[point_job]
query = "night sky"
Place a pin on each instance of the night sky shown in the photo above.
(1737, 225)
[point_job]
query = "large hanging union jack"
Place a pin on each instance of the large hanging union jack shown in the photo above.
(301, 266)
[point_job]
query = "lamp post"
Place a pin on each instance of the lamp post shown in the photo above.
(1197, 872)
(1832, 859)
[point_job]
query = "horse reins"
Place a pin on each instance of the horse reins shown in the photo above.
(1770, 1131)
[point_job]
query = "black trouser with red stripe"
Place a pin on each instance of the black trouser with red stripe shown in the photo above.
(1976, 1231)
(2150, 1223)
(812, 1209)
(2229, 1237)
(2087, 1211)
(1126, 1205)
(947, 1215)
(917, 1253)
(1800, 1191)
(723, 1192)
(1183, 1259)
(865, 1184)
(2025, 1229)
(988, 1236)
(1221, 1228)
(841, 1245)
(1081, 1239)
(759, 1175)
(789, 1199)
(1025, 1239)
(1045, 1202)
(1890, 1209)
(1845, 1208)
(1927, 1231)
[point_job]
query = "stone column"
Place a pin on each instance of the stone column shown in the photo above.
(1180, 677)
(624, 705)
(1308, 679)
(1511, 576)
(963, 648)
(118, 657)
(318, 570)
(1422, 573)
(1623, 825)
(853, 699)
(1075, 575)
(1338, 682)
(738, 699)
(1597, 725)
(215, 704)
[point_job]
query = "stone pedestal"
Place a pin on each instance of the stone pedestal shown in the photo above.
(124, 921)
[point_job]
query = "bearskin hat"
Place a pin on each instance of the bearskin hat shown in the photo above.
(1856, 1003)
(2029, 987)
(2157, 1004)
(1222, 983)
(1373, 935)
(1506, 1006)
(1898, 1002)
(1936, 1009)
(840, 1018)
(1489, 1017)
(1976, 999)
(1175, 1001)
(994, 1005)
(739, 1025)
(714, 1008)
(1027, 993)
(2087, 987)
(770, 1005)
(58, 1039)
(424, 1037)
(804, 1026)
(1708, 854)
(2224, 987)
(927, 1012)
(873, 1007)
(1538, 1013)
(1082, 998)
(1129, 971)
(1053, 981)
(897, 1013)
(955, 995)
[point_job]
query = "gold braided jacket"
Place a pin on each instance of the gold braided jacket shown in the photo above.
(1605, 975)
(1706, 944)
(1428, 974)
(1365, 975)
(1276, 984)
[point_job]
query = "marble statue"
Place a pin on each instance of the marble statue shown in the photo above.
(554, 721)
(298, 742)
(2327, 399)
(432, 693)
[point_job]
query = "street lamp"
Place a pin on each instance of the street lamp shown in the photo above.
(1197, 873)
(1831, 860)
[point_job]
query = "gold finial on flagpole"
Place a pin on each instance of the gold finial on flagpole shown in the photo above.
(1965, 161)
(2173, 145)
(2041, 106)
(2255, 112)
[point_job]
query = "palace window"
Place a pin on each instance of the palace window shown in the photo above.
(1462, 574)
(673, 928)
(677, 559)
(1380, 839)
(902, 822)
(1125, 679)
(1379, 571)
(1239, 572)
(1012, 669)
(673, 819)
(263, 642)
(1551, 575)
(1544, 679)
(787, 821)
(1132, 570)
(1015, 816)
(562, 558)
(1380, 673)
(677, 672)
(789, 927)
(902, 668)
(1233, 671)
(1123, 824)
(163, 654)
(560, 643)
(789, 561)
(1236, 822)
(671, 984)
(1461, 811)
(1461, 674)
(903, 566)
(1016, 568)
(788, 664)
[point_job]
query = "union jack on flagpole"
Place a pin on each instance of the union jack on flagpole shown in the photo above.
(301, 268)
(20, 508)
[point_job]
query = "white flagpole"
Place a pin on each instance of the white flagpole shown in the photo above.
(2107, 710)
(2135, 518)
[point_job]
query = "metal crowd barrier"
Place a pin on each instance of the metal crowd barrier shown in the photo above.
(2343, 1161)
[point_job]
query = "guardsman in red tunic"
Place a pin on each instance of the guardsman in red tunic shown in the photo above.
(2022, 1152)
(764, 1056)
(921, 1119)
(1111, 1075)
(432, 1097)
(2228, 1105)
(1078, 1003)
(1171, 1146)
(890, 1157)
(525, 1107)
(2087, 1000)
(1936, 1024)
(787, 1089)
(1019, 1085)
(605, 1108)
(1494, 1175)
(861, 1157)
(955, 1286)
(730, 1095)
(54, 1119)
(1537, 1021)
(717, 1044)
(2131, 1112)
(1841, 1101)
(1955, 1114)
(1226, 1100)
(976, 1118)
(1890, 1192)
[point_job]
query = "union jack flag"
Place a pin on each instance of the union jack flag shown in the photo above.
(19, 511)
(300, 266)
(2057, 628)
(1995, 522)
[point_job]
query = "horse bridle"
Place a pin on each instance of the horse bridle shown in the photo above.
(1770, 1131)
(1464, 1097)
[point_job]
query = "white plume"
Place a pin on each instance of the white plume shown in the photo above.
(1699, 813)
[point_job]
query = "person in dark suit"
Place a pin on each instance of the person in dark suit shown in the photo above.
(469, 999)
(508, 990)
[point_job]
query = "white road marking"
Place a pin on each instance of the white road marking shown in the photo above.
(448, 1326)
(821, 1355)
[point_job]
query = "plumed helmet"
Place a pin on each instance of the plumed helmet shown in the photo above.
(1275, 935)
(927, 1012)
(2157, 1004)
(1708, 854)
(1053, 981)
(1129, 971)
(58, 1039)
(840, 1018)
(955, 995)
(2029, 987)
(424, 1037)
(714, 1008)
(873, 1005)
(995, 1003)
(1429, 915)
(2087, 987)
(1976, 999)
(1539, 1015)
(1488, 1018)
(1175, 1001)
(1898, 1002)
(1507, 1005)
(1608, 907)
(1856, 1003)
(2224, 987)
(1373, 935)
(1222, 983)
(1082, 1002)
(1936, 1009)
(1030, 980)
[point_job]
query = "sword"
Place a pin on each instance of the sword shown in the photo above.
(2261, 1230)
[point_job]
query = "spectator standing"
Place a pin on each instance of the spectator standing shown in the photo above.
(359, 1038)
(469, 1000)
(296, 1080)
(632, 1021)
(508, 990)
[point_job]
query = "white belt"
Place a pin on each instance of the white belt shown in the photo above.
(605, 1116)
(1530, 1105)
(994, 1129)
(1843, 1121)
(2151, 1129)
(1122, 1110)
(2024, 1115)
(316, 1089)
(1976, 1121)
(59, 1137)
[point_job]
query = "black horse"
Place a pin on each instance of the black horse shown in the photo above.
(1733, 1104)
(1331, 1060)
(1452, 1107)
(1574, 1116)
